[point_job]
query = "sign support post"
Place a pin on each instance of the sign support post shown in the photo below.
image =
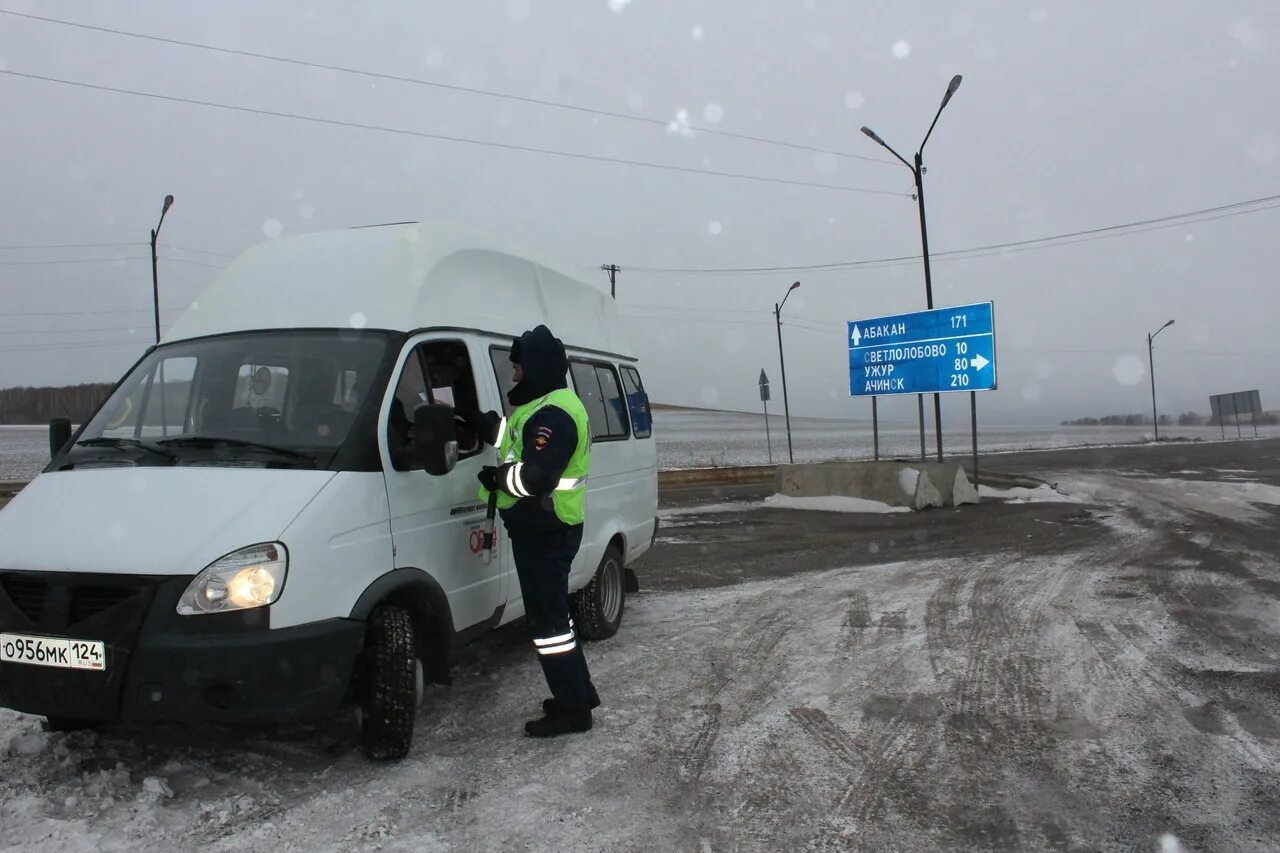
(764, 399)
(920, 400)
(875, 427)
(973, 428)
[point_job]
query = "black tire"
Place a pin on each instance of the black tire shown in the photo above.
(388, 701)
(598, 606)
(69, 724)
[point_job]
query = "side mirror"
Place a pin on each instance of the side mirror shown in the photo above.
(435, 438)
(59, 435)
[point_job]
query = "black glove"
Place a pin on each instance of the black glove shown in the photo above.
(488, 478)
(484, 425)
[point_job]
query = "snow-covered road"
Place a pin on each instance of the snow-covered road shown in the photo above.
(1097, 697)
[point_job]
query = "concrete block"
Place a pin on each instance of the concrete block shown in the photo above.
(926, 493)
(962, 491)
(911, 484)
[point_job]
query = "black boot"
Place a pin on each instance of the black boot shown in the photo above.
(559, 722)
(593, 700)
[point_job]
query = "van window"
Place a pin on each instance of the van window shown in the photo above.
(436, 372)
(597, 387)
(505, 374)
(637, 403)
(167, 392)
(277, 387)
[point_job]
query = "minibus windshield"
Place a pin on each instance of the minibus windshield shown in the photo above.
(293, 395)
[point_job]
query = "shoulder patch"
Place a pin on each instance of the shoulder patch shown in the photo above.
(542, 437)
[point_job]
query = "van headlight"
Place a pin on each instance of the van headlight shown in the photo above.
(248, 578)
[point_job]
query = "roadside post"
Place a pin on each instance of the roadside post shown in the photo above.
(875, 425)
(926, 352)
(764, 398)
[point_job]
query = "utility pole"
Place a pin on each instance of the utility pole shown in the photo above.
(612, 270)
(1151, 362)
(782, 362)
(918, 171)
(155, 272)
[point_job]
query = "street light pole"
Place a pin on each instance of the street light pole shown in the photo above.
(1151, 361)
(155, 272)
(917, 171)
(786, 404)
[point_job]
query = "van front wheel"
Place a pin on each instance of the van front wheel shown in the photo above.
(388, 701)
(597, 607)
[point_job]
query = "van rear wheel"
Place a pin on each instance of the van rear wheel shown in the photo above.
(390, 684)
(597, 607)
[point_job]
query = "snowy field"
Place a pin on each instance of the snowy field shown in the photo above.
(1115, 694)
(696, 439)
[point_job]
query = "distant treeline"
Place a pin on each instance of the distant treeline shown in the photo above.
(1184, 419)
(40, 405)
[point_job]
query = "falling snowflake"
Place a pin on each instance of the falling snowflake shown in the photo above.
(680, 124)
(901, 48)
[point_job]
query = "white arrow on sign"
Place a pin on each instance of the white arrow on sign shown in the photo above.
(857, 337)
(979, 362)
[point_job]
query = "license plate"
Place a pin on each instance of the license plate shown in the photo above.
(49, 651)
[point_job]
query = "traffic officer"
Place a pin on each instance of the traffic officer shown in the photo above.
(545, 448)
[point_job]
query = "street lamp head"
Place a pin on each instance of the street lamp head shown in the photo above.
(793, 287)
(872, 134)
(951, 90)
(1167, 325)
(168, 203)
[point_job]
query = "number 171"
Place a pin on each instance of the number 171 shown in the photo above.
(959, 321)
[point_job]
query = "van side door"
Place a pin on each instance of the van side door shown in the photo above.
(436, 522)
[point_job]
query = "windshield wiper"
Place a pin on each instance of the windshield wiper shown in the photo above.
(214, 440)
(112, 441)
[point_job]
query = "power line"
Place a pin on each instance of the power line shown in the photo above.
(40, 246)
(49, 261)
(696, 320)
(74, 261)
(490, 93)
(74, 345)
(505, 146)
(140, 326)
(72, 246)
(196, 251)
(1241, 208)
(84, 313)
(189, 261)
(682, 308)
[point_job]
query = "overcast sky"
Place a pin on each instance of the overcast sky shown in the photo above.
(1072, 116)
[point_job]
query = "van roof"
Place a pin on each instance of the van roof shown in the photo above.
(402, 277)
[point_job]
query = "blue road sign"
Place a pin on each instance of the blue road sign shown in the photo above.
(946, 349)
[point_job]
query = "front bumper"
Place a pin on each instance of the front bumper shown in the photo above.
(162, 667)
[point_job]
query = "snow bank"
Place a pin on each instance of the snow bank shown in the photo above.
(833, 503)
(1039, 495)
